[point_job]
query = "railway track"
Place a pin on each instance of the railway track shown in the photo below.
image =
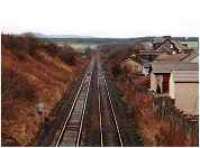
(109, 128)
(71, 130)
(73, 127)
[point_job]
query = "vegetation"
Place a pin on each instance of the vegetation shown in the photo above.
(32, 72)
(28, 44)
(20, 44)
(15, 86)
(134, 89)
(88, 51)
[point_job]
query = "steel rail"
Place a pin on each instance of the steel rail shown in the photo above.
(111, 107)
(83, 113)
(113, 113)
(100, 117)
(58, 141)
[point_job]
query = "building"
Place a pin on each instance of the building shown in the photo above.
(147, 45)
(160, 77)
(177, 80)
(169, 45)
(192, 58)
(170, 57)
(146, 68)
(185, 90)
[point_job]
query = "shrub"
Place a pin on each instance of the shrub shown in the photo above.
(116, 71)
(20, 44)
(68, 56)
(15, 86)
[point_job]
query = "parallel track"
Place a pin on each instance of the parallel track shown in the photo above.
(71, 131)
(109, 128)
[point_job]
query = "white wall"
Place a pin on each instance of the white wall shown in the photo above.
(171, 86)
(186, 97)
(153, 82)
(195, 60)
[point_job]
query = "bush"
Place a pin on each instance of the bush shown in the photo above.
(51, 48)
(68, 56)
(15, 86)
(116, 71)
(20, 44)
(27, 44)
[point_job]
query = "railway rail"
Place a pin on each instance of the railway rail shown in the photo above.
(71, 131)
(73, 127)
(109, 128)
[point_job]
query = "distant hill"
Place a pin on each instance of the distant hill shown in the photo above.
(88, 40)
(91, 40)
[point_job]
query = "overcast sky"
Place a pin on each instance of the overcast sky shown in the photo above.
(102, 18)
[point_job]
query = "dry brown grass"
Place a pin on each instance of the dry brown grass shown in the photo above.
(36, 78)
(155, 132)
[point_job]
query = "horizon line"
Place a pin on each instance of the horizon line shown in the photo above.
(93, 36)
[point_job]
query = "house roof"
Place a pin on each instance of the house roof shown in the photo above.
(187, 66)
(169, 57)
(186, 76)
(178, 45)
(168, 67)
(190, 57)
(162, 67)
